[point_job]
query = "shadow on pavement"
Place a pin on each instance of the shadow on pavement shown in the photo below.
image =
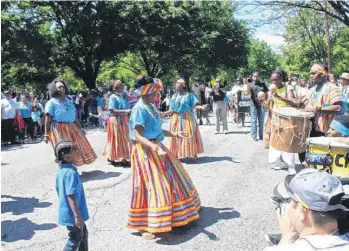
(22, 229)
(208, 217)
(21, 205)
(12, 147)
(238, 132)
(98, 175)
(205, 159)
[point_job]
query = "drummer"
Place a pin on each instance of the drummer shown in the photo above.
(325, 101)
(339, 126)
(281, 95)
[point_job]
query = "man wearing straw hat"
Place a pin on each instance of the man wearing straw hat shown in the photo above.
(345, 85)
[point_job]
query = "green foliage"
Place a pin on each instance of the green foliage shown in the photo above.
(75, 83)
(340, 51)
(261, 58)
(26, 48)
(306, 43)
(99, 41)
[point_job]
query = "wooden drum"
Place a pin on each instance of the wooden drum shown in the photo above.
(290, 129)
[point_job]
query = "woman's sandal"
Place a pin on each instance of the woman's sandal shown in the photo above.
(125, 163)
(147, 236)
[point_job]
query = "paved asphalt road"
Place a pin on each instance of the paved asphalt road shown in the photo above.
(236, 208)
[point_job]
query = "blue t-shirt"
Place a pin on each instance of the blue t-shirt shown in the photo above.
(24, 109)
(117, 102)
(36, 116)
(61, 111)
(149, 119)
(100, 101)
(184, 103)
(68, 182)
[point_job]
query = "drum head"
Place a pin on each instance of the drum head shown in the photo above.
(327, 142)
(293, 112)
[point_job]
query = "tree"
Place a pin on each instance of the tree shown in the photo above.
(155, 37)
(338, 10)
(88, 33)
(341, 52)
(261, 58)
(26, 48)
(187, 36)
(306, 43)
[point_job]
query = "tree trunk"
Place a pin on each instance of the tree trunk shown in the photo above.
(327, 30)
(91, 84)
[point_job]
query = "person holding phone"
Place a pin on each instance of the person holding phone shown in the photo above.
(308, 209)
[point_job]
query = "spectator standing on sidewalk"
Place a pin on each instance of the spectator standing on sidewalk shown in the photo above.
(345, 86)
(9, 109)
(166, 101)
(308, 209)
(92, 108)
(36, 115)
(208, 91)
(219, 107)
(25, 110)
(256, 109)
(78, 107)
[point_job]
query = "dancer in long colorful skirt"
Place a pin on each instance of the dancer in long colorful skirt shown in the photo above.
(163, 195)
(118, 143)
(61, 123)
(182, 105)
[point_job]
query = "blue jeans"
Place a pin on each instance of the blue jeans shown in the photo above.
(77, 239)
(79, 115)
(257, 113)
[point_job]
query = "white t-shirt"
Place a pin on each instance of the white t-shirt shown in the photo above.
(237, 88)
(314, 243)
(8, 108)
(208, 90)
(301, 92)
(166, 101)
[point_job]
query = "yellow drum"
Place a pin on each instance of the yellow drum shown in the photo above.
(329, 155)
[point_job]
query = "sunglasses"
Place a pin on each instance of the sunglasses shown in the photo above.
(313, 73)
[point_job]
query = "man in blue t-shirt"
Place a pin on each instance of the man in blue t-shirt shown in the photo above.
(72, 207)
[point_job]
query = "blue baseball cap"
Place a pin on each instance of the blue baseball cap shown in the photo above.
(314, 189)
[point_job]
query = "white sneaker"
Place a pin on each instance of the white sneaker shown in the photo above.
(278, 168)
(216, 132)
(236, 160)
(225, 132)
(292, 171)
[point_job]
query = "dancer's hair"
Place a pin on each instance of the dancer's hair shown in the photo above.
(52, 87)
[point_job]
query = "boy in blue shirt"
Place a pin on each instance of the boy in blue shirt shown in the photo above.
(72, 207)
